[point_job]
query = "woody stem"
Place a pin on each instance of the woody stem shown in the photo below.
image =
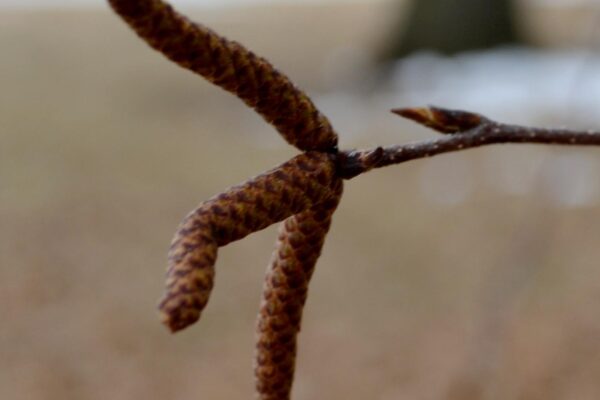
(480, 131)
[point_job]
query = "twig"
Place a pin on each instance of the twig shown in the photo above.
(464, 130)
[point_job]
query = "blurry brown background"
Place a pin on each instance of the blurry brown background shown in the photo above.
(436, 281)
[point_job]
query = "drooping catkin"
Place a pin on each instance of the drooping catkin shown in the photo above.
(299, 245)
(232, 67)
(297, 185)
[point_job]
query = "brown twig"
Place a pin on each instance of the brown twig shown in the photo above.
(465, 130)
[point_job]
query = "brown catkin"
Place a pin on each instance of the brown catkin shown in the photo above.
(232, 67)
(299, 245)
(295, 186)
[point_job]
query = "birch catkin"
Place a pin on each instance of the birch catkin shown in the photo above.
(299, 245)
(297, 185)
(232, 67)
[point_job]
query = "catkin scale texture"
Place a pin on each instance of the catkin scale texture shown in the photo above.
(299, 245)
(232, 67)
(302, 183)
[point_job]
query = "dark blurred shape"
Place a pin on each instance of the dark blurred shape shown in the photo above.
(452, 27)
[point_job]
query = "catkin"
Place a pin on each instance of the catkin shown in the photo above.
(299, 245)
(297, 185)
(232, 67)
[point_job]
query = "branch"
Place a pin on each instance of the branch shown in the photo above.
(464, 130)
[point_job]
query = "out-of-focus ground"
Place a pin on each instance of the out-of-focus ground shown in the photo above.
(469, 276)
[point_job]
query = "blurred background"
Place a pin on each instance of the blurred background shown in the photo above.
(471, 275)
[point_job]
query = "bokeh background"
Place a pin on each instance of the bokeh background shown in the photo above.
(472, 275)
